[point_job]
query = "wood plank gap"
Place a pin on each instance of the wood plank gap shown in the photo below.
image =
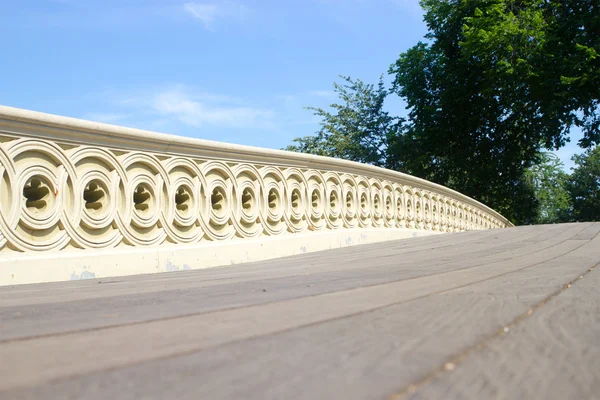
(93, 366)
(510, 256)
(450, 364)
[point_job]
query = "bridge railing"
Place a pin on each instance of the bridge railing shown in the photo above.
(69, 184)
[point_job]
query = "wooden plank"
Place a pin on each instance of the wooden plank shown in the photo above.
(122, 345)
(79, 290)
(56, 317)
(360, 355)
(64, 291)
(588, 233)
(43, 318)
(552, 354)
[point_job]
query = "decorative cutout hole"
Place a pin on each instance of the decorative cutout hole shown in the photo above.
(376, 203)
(295, 199)
(36, 193)
(141, 198)
(217, 199)
(247, 199)
(349, 201)
(182, 198)
(273, 199)
(333, 200)
(399, 206)
(363, 201)
(94, 196)
(388, 204)
(315, 198)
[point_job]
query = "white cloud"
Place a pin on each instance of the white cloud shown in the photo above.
(209, 13)
(204, 12)
(198, 112)
(197, 109)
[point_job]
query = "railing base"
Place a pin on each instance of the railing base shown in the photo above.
(75, 265)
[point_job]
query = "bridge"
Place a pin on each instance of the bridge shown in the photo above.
(506, 313)
(80, 200)
(328, 279)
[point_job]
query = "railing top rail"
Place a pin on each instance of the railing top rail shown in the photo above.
(72, 130)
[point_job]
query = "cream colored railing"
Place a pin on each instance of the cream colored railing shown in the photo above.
(73, 184)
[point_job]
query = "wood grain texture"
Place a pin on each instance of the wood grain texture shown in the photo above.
(365, 322)
(332, 273)
(79, 290)
(553, 354)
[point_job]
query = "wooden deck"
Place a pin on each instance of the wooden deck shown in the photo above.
(512, 313)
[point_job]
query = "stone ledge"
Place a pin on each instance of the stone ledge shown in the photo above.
(86, 264)
(68, 185)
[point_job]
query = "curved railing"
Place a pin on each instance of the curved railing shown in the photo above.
(73, 184)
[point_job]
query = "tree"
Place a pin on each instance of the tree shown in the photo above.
(358, 130)
(569, 77)
(549, 182)
(488, 90)
(466, 120)
(583, 186)
(493, 84)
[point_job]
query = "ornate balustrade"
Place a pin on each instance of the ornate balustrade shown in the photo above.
(82, 190)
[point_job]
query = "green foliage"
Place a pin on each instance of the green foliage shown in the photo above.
(471, 123)
(549, 182)
(571, 66)
(584, 186)
(494, 83)
(359, 130)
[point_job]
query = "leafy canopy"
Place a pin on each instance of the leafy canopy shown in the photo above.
(493, 84)
(549, 183)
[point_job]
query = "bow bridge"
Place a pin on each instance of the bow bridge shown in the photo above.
(470, 313)
(81, 199)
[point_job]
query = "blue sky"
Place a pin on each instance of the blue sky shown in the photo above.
(233, 71)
